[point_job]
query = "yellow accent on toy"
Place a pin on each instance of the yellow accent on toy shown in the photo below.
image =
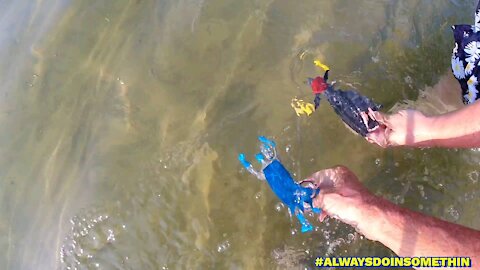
(301, 107)
(318, 63)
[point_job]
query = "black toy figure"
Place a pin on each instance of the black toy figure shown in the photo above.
(354, 109)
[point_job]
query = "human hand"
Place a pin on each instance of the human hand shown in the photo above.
(407, 127)
(342, 196)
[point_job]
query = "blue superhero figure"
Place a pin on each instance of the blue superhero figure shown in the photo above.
(281, 182)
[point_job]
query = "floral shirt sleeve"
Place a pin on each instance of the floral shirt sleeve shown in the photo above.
(466, 58)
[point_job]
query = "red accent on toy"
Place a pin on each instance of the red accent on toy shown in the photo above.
(319, 85)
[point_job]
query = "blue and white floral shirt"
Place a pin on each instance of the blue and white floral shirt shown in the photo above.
(466, 58)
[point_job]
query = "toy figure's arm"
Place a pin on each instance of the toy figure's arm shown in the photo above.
(325, 76)
(248, 166)
(317, 100)
(267, 154)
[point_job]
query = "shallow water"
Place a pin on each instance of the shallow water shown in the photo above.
(121, 122)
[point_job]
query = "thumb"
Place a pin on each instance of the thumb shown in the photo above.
(379, 137)
(323, 215)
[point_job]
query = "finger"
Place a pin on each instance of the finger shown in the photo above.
(364, 118)
(318, 200)
(372, 114)
(325, 213)
(318, 179)
(312, 179)
(379, 117)
(322, 216)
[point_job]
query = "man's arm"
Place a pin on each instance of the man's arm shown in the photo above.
(409, 233)
(406, 232)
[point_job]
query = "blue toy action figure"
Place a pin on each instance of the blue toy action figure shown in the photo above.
(281, 182)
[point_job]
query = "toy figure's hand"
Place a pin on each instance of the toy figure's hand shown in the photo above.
(407, 127)
(341, 196)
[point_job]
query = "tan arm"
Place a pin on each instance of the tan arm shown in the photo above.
(406, 232)
(457, 129)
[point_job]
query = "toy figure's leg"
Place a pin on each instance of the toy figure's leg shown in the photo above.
(308, 202)
(317, 100)
(306, 226)
(250, 168)
(314, 209)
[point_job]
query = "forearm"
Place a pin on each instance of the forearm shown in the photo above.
(410, 233)
(455, 129)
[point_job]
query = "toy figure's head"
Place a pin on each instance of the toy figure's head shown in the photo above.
(318, 85)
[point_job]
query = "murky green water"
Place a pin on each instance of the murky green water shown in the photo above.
(121, 122)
